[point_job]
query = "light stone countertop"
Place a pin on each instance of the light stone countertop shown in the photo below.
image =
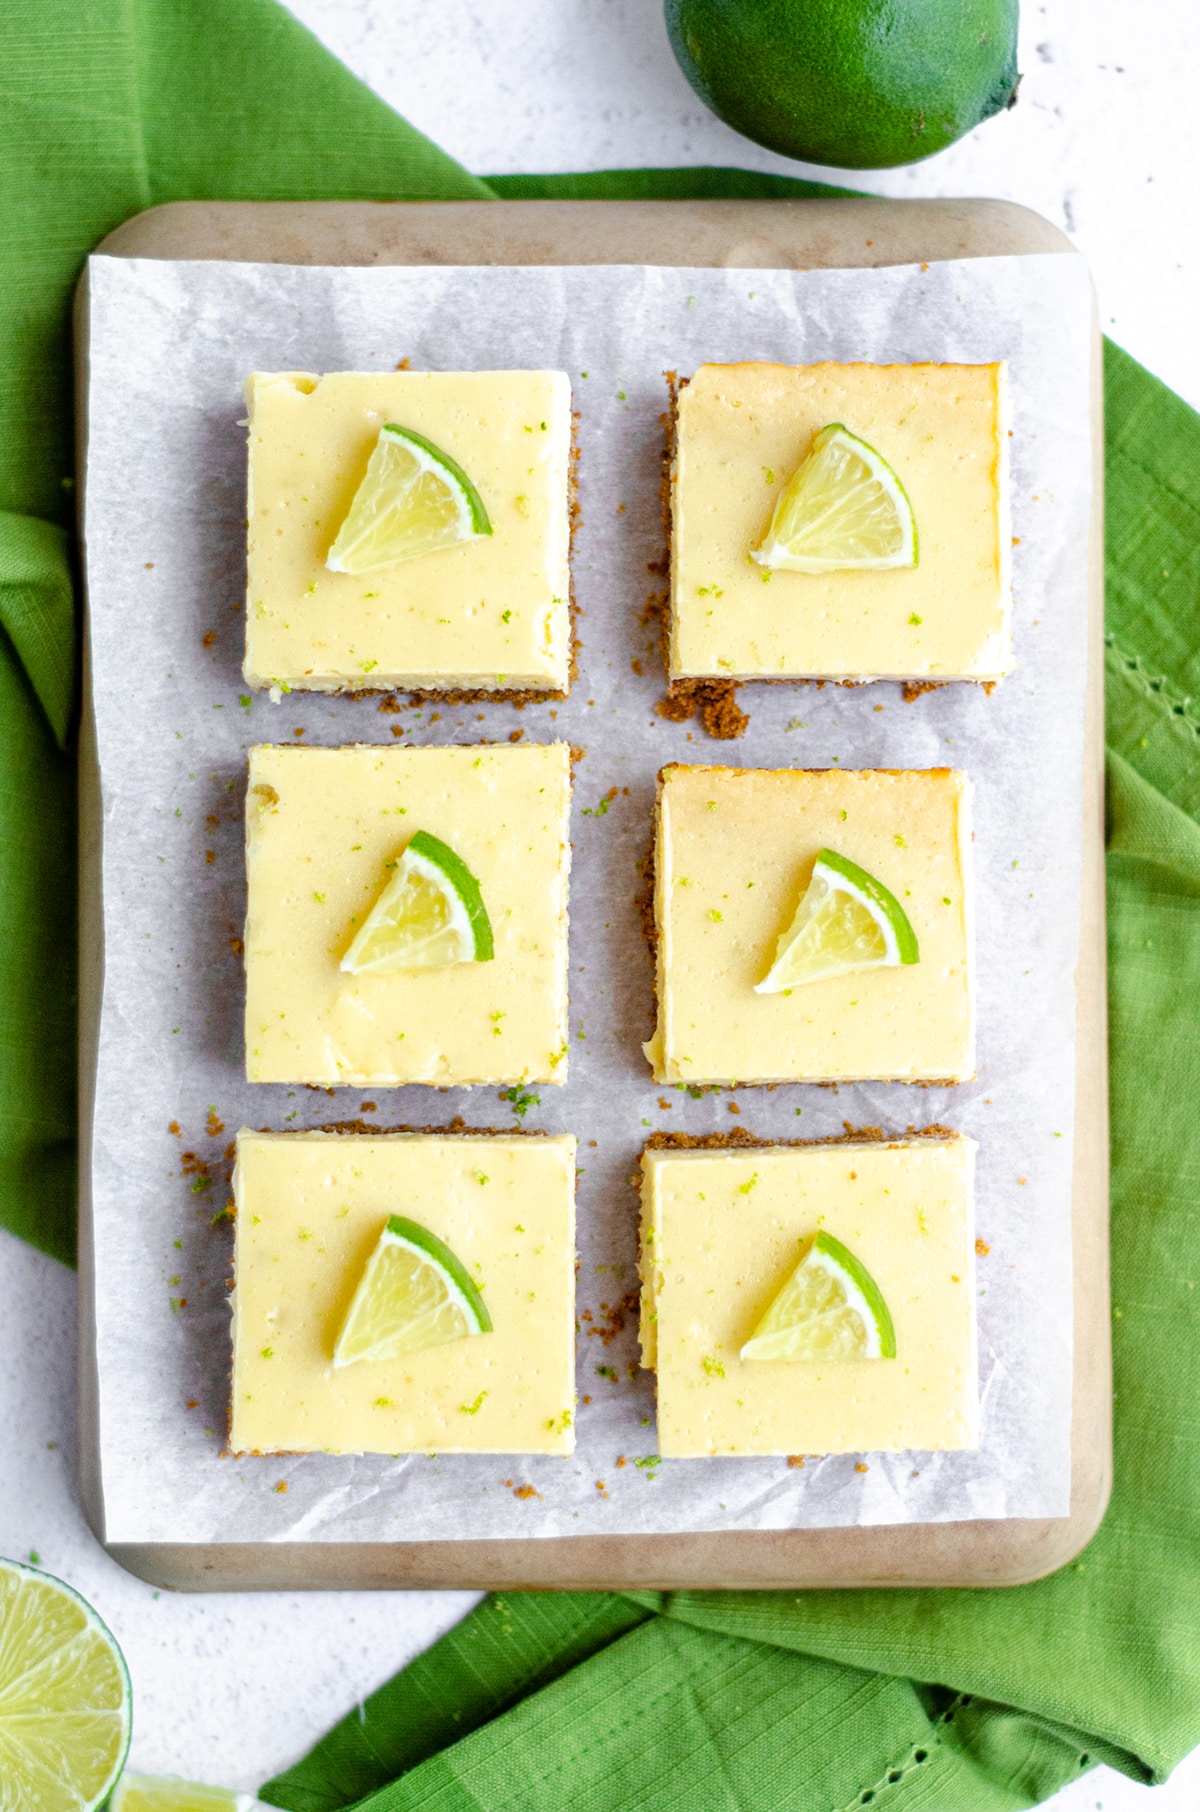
(1104, 142)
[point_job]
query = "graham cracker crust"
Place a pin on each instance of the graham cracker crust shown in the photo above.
(739, 1139)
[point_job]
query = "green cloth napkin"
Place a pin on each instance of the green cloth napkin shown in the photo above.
(108, 107)
(697, 1702)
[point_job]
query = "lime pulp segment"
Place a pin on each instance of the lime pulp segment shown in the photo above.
(414, 500)
(430, 915)
(846, 920)
(842, 510)
(414, 1293)
(64, 1697)
(829, 1308)
(164, 1793)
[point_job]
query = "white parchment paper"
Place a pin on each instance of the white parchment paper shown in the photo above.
(170, 344)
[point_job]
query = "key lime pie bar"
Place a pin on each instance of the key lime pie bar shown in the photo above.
(811, 1299)
(409, 529)
(407, 914)
(403, 1293)
(840, 522)
(812, 926)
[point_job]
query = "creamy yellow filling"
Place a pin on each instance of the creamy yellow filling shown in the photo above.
(310, 1207)
(492, 613)
(720, 1232)
(734, 852)
(741, 432)
(322, 825)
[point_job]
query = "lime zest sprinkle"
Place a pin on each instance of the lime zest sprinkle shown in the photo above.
(521, 1099)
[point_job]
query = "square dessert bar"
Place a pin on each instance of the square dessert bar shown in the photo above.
(491, 614)
(734, 853)
(323, 829)
(740, 431)
(310, 1209)
(721, 1232)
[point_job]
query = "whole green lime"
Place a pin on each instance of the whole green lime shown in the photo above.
(862, 84)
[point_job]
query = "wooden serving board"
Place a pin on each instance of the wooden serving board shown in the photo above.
(755, 234)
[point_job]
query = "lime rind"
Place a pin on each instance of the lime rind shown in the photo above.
(867, 888)
(414, 499)
(861, 1296)
(834, 875)
(400, 1228)
(68, 1726)
(480, 520)
(466, 936)
(863, 523)
(458, 1292)
(879, 1316)
(465, 886)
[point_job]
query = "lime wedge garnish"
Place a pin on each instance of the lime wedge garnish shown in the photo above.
(163, 1793)
(829, 1308)
(64, 1696)
(430, 914)
(413, 500)
(846, 920)
(413, 1293)
(843, 509)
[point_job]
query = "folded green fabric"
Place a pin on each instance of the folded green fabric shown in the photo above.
(108, 107)
(955, 1700)
(664, 1715)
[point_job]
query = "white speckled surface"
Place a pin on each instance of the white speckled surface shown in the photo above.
(1105, 142)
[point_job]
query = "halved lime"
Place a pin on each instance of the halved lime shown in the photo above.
(163, 1793)
(829, 1308)
(846, 920)
(64, 1697)
(413, 1293)
(430, 914)
(413, 500)
(843, 509)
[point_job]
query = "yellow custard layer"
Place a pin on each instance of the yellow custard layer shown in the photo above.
(734, 852)
(322, 825)
(310, 1209)
(721, 1230)
(493, 613)
(742, 430)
